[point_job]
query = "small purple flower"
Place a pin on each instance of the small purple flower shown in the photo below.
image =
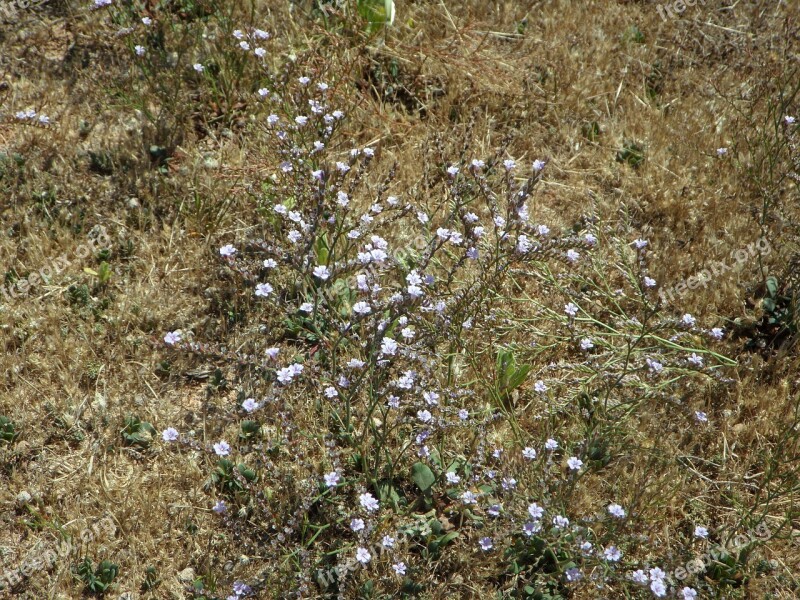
(222, 448)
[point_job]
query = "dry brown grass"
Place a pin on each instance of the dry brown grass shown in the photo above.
(71, 374)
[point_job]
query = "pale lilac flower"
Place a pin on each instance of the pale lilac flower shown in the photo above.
(573, 574)
(222, 448)
(306, 307)
(701, 532)
(263, 93)
(227, 251)
(387, 541)
(294, 236)
(688, 320)
(654, 365)
(509, 483)
(463, 414)
(573, 255)
(486, 544)
(616, 510)
(220, 507)
(330, 392)
(689, 593)
(538, 165)
(332, 479)
(509, 164)
(696, 360)
(250, 405)
(452, 478)
(478, 164)
(531, 528)
(244, 46)
(388, 346)
(529, 453)
(656, 573)
(640, 577)
(140, 50)
(399, 568)
(649, 282)
(342, 199)
(304, 80)
(560, 522)
(357, 524)
(363, 556)
(590, 239)
(535, 511)
(524, 245)
(147, 21)
(575, 463)
(170, 434)
(452, 170)
(469, 497)
(551, 444)
(368, 502)
(722, 151)
(586, 344)
(272, 352)
(543, 230)
(198, 67)
(701, 416)
(263, 290)
(640, 243)
(540, 387)
(424, 416)
(322, 272)
(172, 338)
(789, 120)
(659, 588)
(260, 53)
(717, 333)
(571, 309)
(612, 554)
(301, 120)
(362, 308)
(260, 34)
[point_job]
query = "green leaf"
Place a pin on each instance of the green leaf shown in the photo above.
(772, 286)
(518, 378)
(423, 477)
(322, 249)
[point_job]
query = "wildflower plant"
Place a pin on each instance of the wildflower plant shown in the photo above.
(418, 327)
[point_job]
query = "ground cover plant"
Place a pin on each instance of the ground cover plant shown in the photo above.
(399, 300)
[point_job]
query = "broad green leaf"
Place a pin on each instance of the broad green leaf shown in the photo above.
(423, 476)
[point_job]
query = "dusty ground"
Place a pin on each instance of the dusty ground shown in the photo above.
(572, 82)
